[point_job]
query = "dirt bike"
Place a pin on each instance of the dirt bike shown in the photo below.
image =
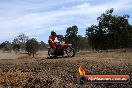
(61, 50)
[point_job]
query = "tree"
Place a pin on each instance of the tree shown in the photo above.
(90, 34)
(82, 43)
(21, 39)
(112, 31)
(6, 46)
(32, 46)
(42, 45)
(16, 47)
(71, 35)
(16, 41)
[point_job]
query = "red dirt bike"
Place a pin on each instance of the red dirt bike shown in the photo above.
(61, 50)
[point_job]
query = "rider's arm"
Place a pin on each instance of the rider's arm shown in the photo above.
(50, 39)
(58, 36)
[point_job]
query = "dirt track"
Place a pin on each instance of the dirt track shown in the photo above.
(42, 72)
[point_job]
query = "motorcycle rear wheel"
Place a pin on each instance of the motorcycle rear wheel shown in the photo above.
(50, 54)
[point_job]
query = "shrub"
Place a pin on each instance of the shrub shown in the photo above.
(32, 46)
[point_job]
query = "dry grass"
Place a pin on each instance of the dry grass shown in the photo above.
(40, 72)
(13, 55)
(14, 79)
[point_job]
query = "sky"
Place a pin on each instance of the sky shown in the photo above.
(36, 18)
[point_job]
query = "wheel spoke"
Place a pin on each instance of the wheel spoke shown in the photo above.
(70, 52)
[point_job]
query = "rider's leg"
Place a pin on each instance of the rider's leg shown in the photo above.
(55, 46)
(52, 47)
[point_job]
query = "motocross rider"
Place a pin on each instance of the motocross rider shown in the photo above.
(52, 39)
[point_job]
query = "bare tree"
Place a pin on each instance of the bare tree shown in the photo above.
(21, 40)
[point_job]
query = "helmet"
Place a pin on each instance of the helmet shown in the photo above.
(53, 33)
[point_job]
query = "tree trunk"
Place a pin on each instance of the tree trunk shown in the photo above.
(33, 53)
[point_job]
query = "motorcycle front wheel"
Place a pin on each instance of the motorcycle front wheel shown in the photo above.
(70, 52)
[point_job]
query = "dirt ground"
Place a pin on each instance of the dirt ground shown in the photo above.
(22, 71)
